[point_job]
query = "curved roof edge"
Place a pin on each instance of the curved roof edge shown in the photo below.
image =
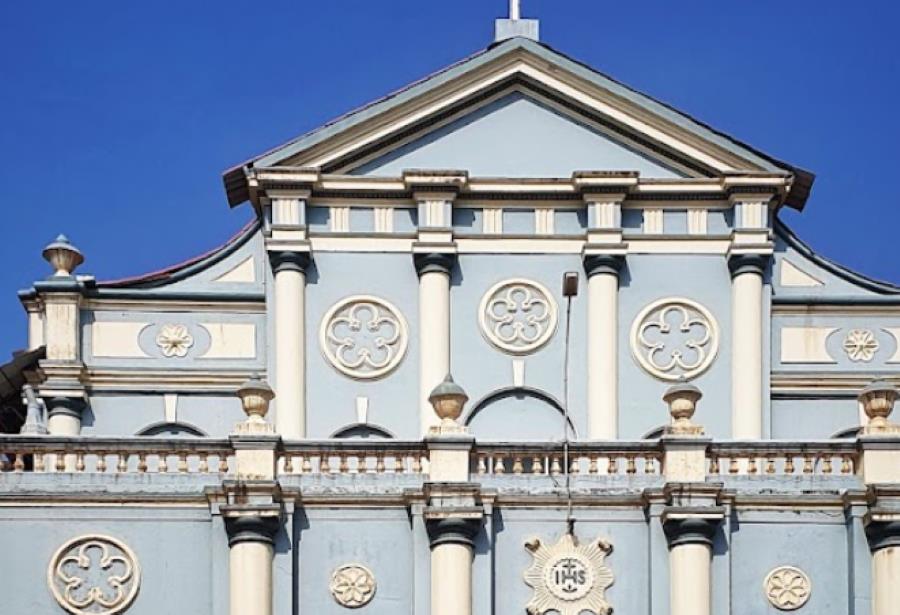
(185, 269)
(870, 284)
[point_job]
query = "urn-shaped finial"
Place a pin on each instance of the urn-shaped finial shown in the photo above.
(682, 400)
(877, 401)
(255, 396)
(63, 256)
(448, 400)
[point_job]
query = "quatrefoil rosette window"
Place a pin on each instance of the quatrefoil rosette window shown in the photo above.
(94, 575)
(364, 337)
(675, 339)
(518, 316)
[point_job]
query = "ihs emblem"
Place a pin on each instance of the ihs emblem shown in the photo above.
(569, 578)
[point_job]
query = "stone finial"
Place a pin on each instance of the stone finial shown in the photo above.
(877, 401)
(62, 256)
(448, 400)
(255, 395)
(682, 400)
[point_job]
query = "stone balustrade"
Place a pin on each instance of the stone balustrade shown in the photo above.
(352, 457)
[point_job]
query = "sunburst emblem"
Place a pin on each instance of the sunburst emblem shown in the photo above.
(569, 578)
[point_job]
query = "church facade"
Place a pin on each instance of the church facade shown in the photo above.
(514, 339)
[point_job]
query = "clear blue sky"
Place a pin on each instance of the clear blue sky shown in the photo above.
(118, 118)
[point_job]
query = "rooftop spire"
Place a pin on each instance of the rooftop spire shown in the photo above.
(515, 25)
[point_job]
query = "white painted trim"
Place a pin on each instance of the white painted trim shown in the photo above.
(117, 339)
(242, 273)
(806, 345)
(697, 221)
(653, 222)
(794, 276)
(895, 333)
(339, 219)
(230, 340)
(540, 293)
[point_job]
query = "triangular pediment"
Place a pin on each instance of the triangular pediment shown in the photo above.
(516, 135)
(517, 109)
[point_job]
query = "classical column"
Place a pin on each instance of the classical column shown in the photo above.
(690, 557)
(289, 269)
(251, 540)
(452, 549)
(747, 344)
(434, 327)
(64, 416)
(884, 541)
(602, 351)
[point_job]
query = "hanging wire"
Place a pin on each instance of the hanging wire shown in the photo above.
(569, 293)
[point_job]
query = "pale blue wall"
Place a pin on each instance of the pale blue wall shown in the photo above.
(515, 136)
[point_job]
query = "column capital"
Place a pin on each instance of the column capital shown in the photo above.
(611, 264)
(252, 528)
(691, 528)
(65, 406)
(454, 530)
(434, 262)
(747, 263)
(883, 534)
(289, 260)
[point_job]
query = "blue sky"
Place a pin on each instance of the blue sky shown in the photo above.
(118, 118)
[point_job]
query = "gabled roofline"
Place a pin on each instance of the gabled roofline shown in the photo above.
(236, 182)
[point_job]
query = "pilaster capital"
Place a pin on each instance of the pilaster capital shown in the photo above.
(290, 260)
(252, 528)
(690, 528)
(459, 530)
(434, 262)
(748, 263)
(611, 264)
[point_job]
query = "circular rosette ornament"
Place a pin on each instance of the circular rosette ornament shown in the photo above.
(518, 316)
(353, 586)
(569, 578)
(787, 588)
(94, 575)
(364, 337)
(674, 339)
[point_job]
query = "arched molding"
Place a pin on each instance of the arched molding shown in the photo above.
(163, 428)
(518, 392)
(376, 431)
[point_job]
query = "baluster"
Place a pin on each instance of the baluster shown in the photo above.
(770, 465)
(845, 464)
(60, 462)
(751, 466)
(555, 468)
(629, 464)
(122, 463)
(499, 464)
(325, 465)
(517, 465)
(398, 463)
(807, 464)
(203, 465)
(481, 469)
(288, 463)
(343, 464)
(714, 464)
(19, 463)
(592, 466)
(305, 464)
(826, 464)
(39, 462)
(613, 465)
(379, 463)
(649, 465)
(79, 461)
(574, 466)
(733, 465)
(537, 465)
(789, 464)
(223, 463)
(162, 463)
(417, 463)
(142, 463)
